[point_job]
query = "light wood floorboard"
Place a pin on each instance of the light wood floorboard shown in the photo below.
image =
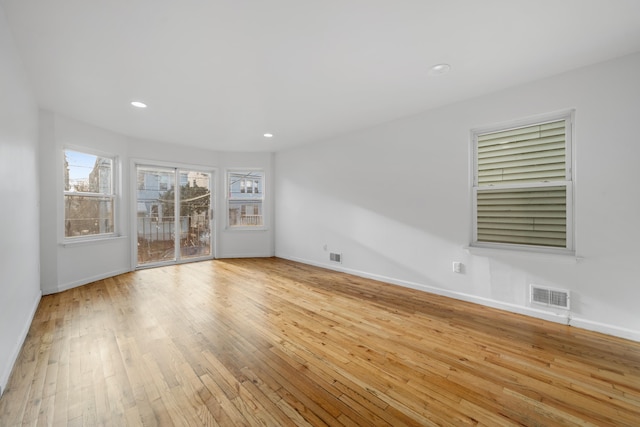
(269, 342)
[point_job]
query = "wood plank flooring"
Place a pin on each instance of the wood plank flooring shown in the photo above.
(255, 342)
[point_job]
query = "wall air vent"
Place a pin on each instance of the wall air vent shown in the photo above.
(335, 257)
(549, 297)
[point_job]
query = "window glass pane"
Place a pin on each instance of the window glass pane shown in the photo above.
(87, 173)
(245, 199)
(195, 201)
(522, 183)
(247, 213)
(525, 216)
(89, 202)
(155, 205)
(86, 215)
(529, 154)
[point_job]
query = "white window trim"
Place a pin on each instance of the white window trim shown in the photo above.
(484, 248)
(263, 198)
(115, 195)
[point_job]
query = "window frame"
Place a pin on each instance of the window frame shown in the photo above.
(261, 196)
(569, 183)
(113, 196)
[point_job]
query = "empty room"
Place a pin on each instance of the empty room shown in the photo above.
(320, 213)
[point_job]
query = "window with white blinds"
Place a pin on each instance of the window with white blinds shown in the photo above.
(522, 185)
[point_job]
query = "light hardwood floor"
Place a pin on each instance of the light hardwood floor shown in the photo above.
(273, 342)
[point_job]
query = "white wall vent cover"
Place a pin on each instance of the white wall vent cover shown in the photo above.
(335, 257)
(550, 297)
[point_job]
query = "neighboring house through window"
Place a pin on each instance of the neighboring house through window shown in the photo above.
(89, 198)
(245, 198)
(523, 186)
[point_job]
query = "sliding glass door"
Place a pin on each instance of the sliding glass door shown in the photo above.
(173, 215)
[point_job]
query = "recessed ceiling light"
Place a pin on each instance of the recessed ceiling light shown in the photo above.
(138, 104)
(268, 135)
(439, 69)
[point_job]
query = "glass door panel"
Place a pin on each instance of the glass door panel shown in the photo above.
(156, 225)
(173, 215)
(195, 209)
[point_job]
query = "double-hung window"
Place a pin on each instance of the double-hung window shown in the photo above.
(89, 196)
(245, 199)
(523, 186)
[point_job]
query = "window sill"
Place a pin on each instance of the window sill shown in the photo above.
(246, 228)
(90, 241)
(559, 257)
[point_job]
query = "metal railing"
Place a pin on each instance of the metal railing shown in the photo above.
(156, 229)
(156, 238)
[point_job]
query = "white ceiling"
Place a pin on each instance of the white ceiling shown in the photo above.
(221, 73)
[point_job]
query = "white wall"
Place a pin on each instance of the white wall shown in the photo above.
(246, 243)
(19, 245)
(71, 265)
(67, 266)
(395, 200)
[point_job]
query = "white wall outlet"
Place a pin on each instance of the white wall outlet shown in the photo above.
(457, 267)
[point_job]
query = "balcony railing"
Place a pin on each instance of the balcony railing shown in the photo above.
(156, 229)
(251, 220)
(156, 238)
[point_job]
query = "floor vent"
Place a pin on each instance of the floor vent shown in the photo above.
(550, 297)
(335, 257)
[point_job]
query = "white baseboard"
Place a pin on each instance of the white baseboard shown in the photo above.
(565, 319)
(245, 255)
(604, 328)
(66, 286)
(6, 374)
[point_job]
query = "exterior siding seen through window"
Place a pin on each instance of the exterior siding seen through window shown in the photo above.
(522, 186)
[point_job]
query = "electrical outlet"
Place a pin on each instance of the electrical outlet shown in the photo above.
(457, 267)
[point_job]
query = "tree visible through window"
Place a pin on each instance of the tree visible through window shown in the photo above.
(89, 199)
(523, 185)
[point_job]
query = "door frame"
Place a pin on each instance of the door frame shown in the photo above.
(134, 216)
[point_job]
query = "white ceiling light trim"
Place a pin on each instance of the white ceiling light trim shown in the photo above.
(439, 69)
(138, 104)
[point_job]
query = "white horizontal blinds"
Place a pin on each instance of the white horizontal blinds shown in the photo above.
(525, 216)
(529, 154)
